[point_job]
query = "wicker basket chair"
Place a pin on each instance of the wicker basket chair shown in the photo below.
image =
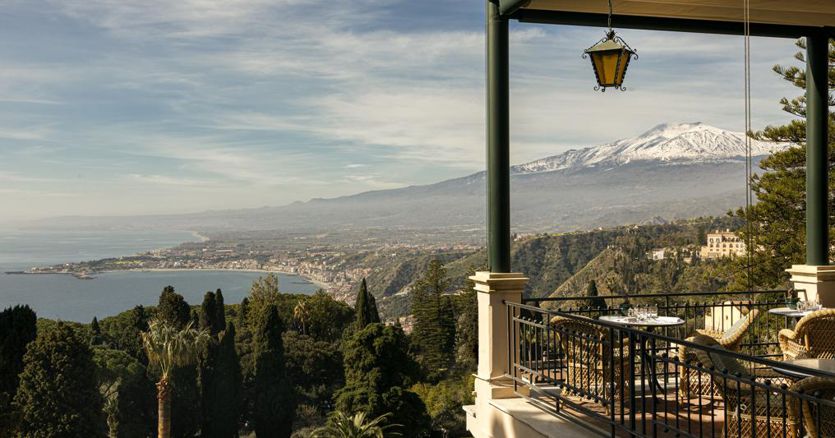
(749, 408)
(731, 338)
(818, 420)
(692, 382)
(812, 337)
(589, 372)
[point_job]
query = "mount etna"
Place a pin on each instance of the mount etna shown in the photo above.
(671, 171)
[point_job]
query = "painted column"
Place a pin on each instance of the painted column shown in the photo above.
(817, 276)
(498, 141)
(817, 145)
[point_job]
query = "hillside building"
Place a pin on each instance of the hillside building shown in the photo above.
(723, 244)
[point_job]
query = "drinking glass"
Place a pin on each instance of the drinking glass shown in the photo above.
(642, 312)
(631, 312)
(653, 311)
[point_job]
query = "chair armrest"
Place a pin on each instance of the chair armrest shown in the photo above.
(715, 334)
(788, 344)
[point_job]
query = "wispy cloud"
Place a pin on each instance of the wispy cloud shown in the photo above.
(272, 101)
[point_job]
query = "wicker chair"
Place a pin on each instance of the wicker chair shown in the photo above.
(692, 382)
(731, 338)
(818, 420)
(586, 357)
(812, 337)
(749, 407)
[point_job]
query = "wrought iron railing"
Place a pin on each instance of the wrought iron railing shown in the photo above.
(622, 381)
(705, 311)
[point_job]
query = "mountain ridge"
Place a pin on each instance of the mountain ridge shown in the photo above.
(671, 171)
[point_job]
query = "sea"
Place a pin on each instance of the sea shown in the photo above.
(67, 298)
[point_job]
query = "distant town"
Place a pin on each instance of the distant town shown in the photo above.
(335, 264)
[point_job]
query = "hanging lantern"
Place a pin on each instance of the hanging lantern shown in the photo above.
(609, 58)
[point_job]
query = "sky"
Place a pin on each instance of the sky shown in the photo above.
(124, 107)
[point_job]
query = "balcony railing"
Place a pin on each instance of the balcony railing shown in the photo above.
(622, 381)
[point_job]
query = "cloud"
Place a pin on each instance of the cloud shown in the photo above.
(272, 101)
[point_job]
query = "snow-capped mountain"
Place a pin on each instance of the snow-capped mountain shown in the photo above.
(671, 171)
(672, 143)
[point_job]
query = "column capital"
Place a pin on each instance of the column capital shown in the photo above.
(817, 280)
(495, 282)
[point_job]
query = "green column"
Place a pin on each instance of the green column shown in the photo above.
(817, 163)
(498, 141)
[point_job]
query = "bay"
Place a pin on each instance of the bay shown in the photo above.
(65, 297)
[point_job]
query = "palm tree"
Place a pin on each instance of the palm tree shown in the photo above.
(168, 347)
(301, 314)
(340, 425)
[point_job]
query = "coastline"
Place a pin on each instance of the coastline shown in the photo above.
(317, 283)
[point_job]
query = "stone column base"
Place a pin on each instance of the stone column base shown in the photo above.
(817, 281)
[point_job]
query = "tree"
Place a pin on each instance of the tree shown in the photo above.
(209, 320)
(124, 332)
(314, 367)
(169, 347)
(433, 335)
(95, 333)
(58, 393)
(595, 302)
(221, 383)
(378, 367)
(274, 405)
(327, 318)
(125, 391)
(366, 307)
(17, 329)
(185, 393)
(262, 294)
(173, 308)
(301, 315)
(221, 310)
(466, 331)
(444, 400)
(341, 425)
(777, 219)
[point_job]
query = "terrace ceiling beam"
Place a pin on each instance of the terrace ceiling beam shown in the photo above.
(667, 24)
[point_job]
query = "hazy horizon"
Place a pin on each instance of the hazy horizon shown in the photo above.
(121, 108)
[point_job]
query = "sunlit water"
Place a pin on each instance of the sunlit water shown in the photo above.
(68, 298)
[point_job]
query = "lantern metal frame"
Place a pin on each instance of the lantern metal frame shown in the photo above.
(625, 49)
(626, 54)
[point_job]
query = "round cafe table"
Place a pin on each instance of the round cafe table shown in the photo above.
(790, 313)
(825, 365)
(651, 324)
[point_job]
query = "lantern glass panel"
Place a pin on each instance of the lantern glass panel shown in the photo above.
(621, 68)
(605, 65)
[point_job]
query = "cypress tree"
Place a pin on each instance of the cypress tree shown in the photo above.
(18, 327)
(274, 405)
(366, 307)
(221, 382)
(58, 393)
(221, 310)
(595, 302)
(208, 314)
(95, 332)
